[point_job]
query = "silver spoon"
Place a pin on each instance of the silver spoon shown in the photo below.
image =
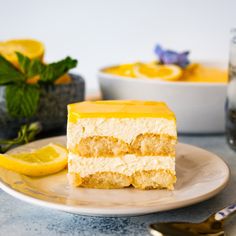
(212, 226)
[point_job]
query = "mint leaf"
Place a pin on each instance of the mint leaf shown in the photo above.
(29, 67)
(22, 100)
(23, 62)
(53, 71)
(8, 73)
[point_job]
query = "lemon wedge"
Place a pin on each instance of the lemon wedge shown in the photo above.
(154, 71)
(29, 47)
(44, 161)
(64, 79)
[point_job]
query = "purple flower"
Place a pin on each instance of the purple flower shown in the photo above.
(172, 57)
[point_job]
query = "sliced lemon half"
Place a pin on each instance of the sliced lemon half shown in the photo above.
(44, 161)
(29, 47)
(154, 71)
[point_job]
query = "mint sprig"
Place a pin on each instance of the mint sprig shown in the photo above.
(48, 73)
(22, 99)
(29, 67)
(51, 72)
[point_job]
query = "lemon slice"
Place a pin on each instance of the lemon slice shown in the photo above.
(153, 71)
(28, 47)
(44, 161)
(126, 70)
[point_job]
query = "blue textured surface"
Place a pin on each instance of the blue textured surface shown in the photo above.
(19, 218)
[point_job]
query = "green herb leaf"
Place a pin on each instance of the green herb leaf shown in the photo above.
(29, 67)
(8, 73)
(53, 71)
(22, 100)
(48, 72)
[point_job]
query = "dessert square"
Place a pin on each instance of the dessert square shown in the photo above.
(116, 144)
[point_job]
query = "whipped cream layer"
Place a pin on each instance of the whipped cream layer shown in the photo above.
(127, 165)
(126, 129)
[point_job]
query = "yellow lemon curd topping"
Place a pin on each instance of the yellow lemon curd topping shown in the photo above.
(200, 73)
(152, 70)
(119, 109)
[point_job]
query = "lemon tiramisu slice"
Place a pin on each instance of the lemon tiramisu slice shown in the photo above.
(115, 144)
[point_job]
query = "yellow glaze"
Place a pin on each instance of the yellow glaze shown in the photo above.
(119, 109)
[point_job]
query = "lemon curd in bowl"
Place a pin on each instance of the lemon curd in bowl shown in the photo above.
(196, 93)
(194, 72)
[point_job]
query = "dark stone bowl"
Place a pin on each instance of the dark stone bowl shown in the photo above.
(52, 110)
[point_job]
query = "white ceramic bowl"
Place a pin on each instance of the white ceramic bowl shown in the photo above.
(199, 107)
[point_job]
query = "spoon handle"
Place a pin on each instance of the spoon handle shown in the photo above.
(224, 213)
